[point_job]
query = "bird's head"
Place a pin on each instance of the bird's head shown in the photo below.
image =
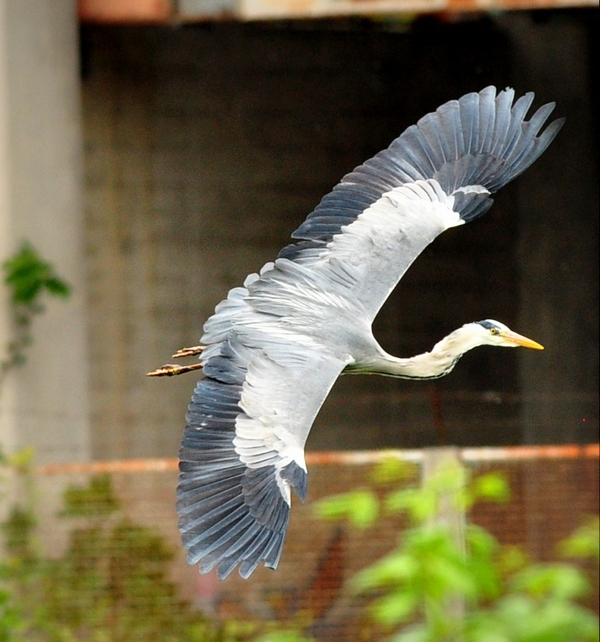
(494, 333)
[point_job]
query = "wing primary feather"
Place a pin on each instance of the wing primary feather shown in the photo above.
(487, 105)
(502, 121)
(469, 121)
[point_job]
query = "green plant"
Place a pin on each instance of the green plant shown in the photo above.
(111, 583)
(437, 587)
(28, 277)
(19, 558)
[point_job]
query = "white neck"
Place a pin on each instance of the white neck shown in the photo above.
(428, 365)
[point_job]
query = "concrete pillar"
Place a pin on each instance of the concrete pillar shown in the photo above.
(43, 404)
(558, 253)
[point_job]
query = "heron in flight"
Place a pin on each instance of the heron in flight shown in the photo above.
(274, 348)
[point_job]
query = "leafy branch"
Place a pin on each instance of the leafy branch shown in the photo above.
(508, 597)
(28, 278)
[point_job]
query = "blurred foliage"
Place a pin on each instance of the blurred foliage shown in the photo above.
(111, 583)
(28, 277)
(97, 499)
(283, 636)
(584, 542)
(430, 589)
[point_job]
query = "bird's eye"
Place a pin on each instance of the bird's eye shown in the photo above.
(494, 331)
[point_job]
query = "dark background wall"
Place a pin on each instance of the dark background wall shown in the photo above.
(207, 145)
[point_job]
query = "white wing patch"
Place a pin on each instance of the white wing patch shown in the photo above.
(279, 404)
(416, 212)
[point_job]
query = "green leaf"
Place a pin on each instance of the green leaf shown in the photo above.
(482, 553)
(584, 542)
(394, 608)
(511, 559)
(57, 287)
(27, 275)
(518, 618)
(360, 507)
(459, 580)
(392, 470)
(420, 504)
(393, 569)
(507, 598)
(365, 509)
(481, 543)
(491, 487)
(555, 580)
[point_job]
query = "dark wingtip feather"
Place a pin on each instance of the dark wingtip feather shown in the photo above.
(297, 478)
(483, 138)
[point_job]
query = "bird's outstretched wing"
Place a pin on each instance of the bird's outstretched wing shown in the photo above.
(243, 447)
(272, 351)
(439, 173)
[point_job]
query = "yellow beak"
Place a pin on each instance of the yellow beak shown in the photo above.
(520, 340)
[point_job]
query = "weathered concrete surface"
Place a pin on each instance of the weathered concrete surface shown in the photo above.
(45, 403)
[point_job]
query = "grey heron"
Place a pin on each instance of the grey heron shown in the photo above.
(274, 348)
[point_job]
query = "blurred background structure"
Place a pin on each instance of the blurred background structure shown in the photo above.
(157, 152)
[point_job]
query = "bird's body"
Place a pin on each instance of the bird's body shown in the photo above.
(275, 347)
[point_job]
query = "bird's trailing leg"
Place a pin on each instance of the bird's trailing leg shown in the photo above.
(171, 369)
(188, 352)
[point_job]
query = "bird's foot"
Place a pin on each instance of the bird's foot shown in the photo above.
(170, 370)
(188, 352)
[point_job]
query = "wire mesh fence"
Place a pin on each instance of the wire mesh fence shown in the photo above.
(113, 568)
